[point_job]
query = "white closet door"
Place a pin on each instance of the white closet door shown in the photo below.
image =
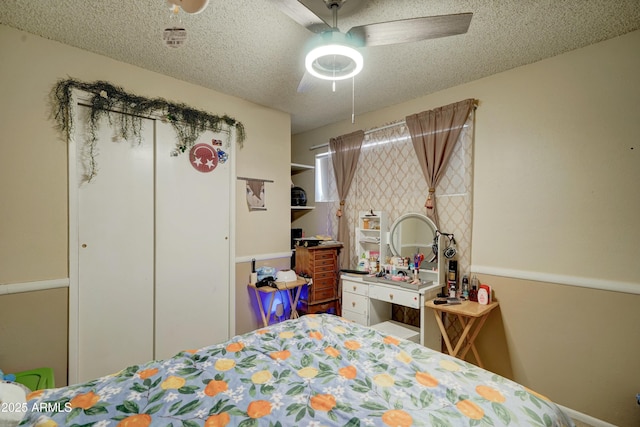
(115, 253)
(192, 250)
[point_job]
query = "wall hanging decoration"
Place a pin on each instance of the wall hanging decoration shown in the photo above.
(105, 98)
(255, 193)
(203, 157)
(222, 156)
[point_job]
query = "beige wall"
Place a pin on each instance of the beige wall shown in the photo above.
(556, 162)
(33, 332)
(33, 173)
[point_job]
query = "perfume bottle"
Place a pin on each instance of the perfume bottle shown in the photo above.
(475, 285)
(473, 294)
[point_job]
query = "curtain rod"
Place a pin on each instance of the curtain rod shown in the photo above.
(366, 132)
(398, 123)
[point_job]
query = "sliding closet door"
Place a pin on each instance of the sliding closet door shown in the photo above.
(115, 250)
(192, 248)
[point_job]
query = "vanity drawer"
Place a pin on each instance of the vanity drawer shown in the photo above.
(396, 296)
(355, 303)
(358, 288)
(355, 317)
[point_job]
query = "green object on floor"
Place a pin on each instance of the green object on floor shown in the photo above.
(36, 379)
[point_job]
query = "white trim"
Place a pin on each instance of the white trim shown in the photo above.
(263, 257)
(74, 289)
(231, 329)
(587, 419)
(40, 285)
(561, 279)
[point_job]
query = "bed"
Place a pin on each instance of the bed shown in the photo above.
(318, 370)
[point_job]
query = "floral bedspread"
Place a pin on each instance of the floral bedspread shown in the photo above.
(319, 370)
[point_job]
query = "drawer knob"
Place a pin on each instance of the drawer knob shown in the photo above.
(353, 304)
(355, 287)
(390, 296)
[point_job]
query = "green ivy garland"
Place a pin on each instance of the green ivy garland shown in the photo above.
(106, 98)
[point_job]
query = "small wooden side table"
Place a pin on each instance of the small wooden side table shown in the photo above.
(293, 291)
(468, 313)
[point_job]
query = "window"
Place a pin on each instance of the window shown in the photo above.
(325, 180)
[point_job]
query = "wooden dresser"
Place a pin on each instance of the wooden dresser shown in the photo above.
(320, 263)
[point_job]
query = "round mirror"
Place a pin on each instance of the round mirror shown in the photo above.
(410, 234)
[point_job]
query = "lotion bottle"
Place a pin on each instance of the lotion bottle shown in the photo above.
(483, 296)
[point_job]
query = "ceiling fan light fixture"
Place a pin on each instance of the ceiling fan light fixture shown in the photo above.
(332, 55)
(334, 62)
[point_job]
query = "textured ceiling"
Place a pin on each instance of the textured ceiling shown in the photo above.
(250, 49)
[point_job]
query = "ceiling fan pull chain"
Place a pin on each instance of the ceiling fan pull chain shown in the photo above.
(353, 100)
(333, 81)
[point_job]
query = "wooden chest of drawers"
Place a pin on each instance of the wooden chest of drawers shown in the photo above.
(322, 307)
(320, 263)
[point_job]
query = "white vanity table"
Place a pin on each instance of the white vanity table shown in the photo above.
(368, 302)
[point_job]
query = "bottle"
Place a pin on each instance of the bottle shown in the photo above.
(465, 287)
(474, 282)
(473, 294)
(483, 296)
(452, 289)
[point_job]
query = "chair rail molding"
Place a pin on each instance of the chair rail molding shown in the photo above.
(561, 279)
(40, 285)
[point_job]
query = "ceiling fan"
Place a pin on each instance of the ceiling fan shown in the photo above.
(333, 55)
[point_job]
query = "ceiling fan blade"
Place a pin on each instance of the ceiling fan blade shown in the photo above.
(302, 15)
(411, 30)
(307, 83)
